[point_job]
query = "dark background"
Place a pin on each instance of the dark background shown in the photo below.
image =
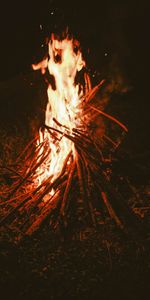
(121, 29)
(103, 26)
(114, 36)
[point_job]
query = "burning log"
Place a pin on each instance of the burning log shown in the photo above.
(64, 155)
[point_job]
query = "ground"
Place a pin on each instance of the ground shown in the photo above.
(99, 265)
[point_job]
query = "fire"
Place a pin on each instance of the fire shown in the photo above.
(70, 152)
(66, 107)
(64, 102)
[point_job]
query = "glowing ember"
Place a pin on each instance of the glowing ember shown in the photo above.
(64, 100)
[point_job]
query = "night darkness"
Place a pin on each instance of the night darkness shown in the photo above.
(114, 37)
(114, 40)
(103, 26)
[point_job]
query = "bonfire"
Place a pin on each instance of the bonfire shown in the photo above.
(64, 177)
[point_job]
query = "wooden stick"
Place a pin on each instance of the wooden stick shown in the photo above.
(109, 117)
(67, 189)
(111, 210)
(27, 176)
(26, 148)
(47, 211)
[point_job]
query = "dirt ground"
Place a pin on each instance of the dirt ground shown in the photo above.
(104, 264)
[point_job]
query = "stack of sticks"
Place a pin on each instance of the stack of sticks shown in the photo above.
(82, 192)
(84, 181)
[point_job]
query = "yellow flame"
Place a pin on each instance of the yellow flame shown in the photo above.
(65, 60)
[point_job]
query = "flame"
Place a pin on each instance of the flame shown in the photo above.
(63, 107)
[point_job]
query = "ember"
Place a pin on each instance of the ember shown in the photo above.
(64, 175)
